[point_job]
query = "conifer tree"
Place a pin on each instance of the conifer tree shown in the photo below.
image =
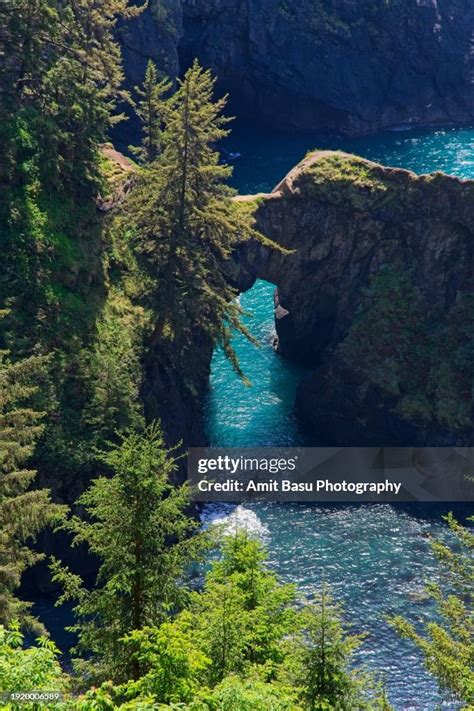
(137, 527)
(185, 222)
(151, 109)
(244, 613)
(60, 77)
(448, 645)
(323, 656)
(24, 511)
(319, 662)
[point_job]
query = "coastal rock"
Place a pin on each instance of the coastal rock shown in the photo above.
(174, 386)
(337, 65)
(376, 299)
(378, 257)
(325, 65)
(153, 34)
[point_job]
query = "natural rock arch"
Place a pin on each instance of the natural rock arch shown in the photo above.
(347, 219)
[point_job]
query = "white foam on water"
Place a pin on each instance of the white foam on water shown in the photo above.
(234, 518)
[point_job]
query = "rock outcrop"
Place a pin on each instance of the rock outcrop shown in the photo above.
(338, 65)
(153, 34)
(377, 299)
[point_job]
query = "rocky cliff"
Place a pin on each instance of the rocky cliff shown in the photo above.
(377, 298)
(352, 66)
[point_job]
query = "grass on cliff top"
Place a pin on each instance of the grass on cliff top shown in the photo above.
(346, 169)
(351, 182)
(346, 180)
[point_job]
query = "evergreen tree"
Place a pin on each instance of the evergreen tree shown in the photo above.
(244, 613)
(24, 511)
(151, 110)
(185, 222)
(173, 666)
(448, 646)
(319, 662)
(60, 73)
(224, 625)
(137, 527)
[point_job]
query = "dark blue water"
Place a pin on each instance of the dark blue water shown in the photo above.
(266, 158)
(376, 557)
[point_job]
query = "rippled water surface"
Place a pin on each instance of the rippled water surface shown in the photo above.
(376, 557)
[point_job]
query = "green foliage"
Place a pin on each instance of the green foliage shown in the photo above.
(398, 345)
(235, 694)
(60, 70)
(347, 181)
(151, 110)
(137, 527)
(452, 374)
(243, 645)
(111, 369)
(35, 669)
(174, 665)
(394, 350)
(24, 511)
(448, 645)
(243, 613)
(319, 666)
(224, 625)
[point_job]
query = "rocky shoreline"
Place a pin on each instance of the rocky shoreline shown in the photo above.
(346, 220)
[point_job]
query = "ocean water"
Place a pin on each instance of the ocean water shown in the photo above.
(375, 557)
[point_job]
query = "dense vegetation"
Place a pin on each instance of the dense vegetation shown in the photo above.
(426, 371)
(98, 267)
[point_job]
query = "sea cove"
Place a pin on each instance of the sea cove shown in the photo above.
(263, 322)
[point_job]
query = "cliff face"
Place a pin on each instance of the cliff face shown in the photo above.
(377, 299)
(174, 386)
(154, 34)
(353, 66)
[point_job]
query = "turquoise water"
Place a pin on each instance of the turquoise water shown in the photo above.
(376, 557)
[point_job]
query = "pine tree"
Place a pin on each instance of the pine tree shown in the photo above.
(151, 110)
(320, 660)
(136, 525)
(224, 626)
(186, 224)
(24, 511)
(323, 656)
(448, 646)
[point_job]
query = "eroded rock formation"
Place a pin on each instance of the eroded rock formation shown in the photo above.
(377, 298)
